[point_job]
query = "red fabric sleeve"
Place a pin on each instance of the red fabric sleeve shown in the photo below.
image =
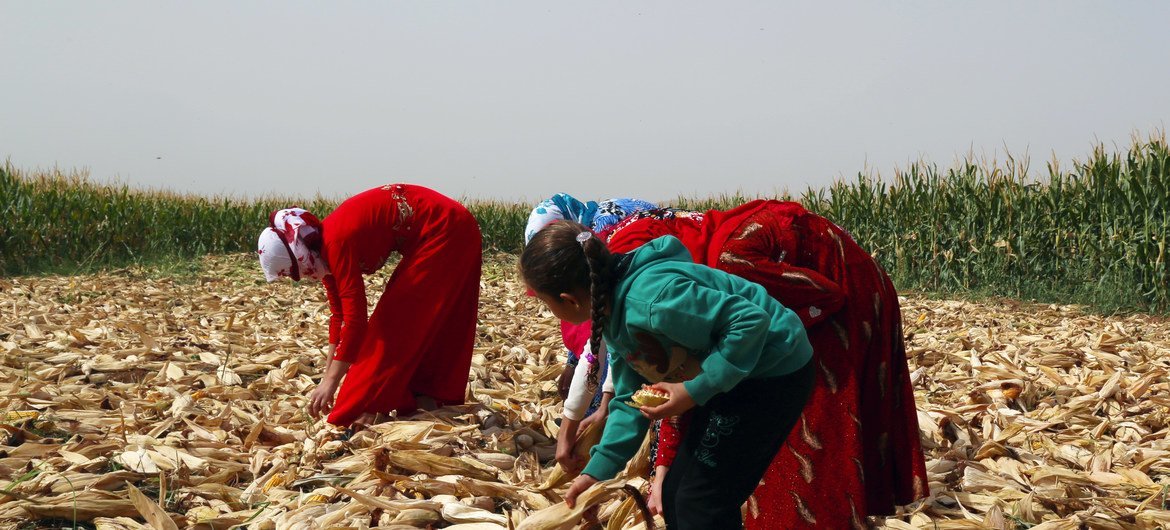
(576, 335)
(670, 434)
(351, 294)
(337, 312)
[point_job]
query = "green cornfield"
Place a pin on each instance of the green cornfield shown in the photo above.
(1095, 233)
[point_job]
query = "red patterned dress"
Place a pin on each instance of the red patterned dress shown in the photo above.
(418, 341)
(856, 450)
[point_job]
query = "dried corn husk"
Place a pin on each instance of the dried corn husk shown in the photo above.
(561, 517)
(456, 512)
(586, 439)
(417, 517)
(1030, 415)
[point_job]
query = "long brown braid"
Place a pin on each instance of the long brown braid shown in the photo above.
(602, 279)
(556, 261)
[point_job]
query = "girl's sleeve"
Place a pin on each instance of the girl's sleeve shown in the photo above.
(624, 429)
(608, 385)
(734, 328)
(669, 438)
(351, 297)
(579, 396)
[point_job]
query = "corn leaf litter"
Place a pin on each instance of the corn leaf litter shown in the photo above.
(191, 391)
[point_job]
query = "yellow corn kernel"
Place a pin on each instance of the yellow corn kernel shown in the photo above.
(21, 415)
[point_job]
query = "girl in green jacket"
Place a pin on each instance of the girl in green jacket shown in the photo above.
(712, 341)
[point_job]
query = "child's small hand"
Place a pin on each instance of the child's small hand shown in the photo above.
(579, 485)
(565, 457)
(680, 401)
(655, 502)
(565, 381)
(598, 416)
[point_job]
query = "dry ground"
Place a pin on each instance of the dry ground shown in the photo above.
(134, 397)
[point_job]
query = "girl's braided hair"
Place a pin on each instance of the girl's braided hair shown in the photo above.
(564, 257)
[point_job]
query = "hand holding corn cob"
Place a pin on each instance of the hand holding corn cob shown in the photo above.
(663, 400)
(579, 485)
(648, 396)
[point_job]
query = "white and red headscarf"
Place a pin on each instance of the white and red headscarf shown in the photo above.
(282, 247)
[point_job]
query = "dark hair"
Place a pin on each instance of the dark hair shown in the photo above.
(556, 262)
(313, 240)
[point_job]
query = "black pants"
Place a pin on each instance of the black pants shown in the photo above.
(728, 446)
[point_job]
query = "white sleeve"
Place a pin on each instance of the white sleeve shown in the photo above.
(608, 385)
(579, 396)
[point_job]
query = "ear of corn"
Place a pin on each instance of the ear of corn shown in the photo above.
(14, 416)
(561, 517)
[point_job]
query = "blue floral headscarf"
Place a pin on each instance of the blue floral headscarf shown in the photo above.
(613, 211)
(596, 216)
(558, 207)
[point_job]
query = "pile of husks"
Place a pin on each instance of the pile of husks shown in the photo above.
(137, 400)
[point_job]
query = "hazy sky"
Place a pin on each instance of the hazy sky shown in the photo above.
(518, 100)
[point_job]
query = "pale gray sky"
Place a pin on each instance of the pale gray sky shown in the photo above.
(519, 100)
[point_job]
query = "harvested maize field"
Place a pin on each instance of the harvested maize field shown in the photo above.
(137, 400)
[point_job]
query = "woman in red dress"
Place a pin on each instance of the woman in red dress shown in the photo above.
(418, 341)
(856, 451)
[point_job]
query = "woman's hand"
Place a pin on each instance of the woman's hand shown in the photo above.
(680, 401)
(579, 485)
(655, 501)
(321, 399)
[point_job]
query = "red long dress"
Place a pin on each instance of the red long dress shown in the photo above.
(419, 338)
(856, 451)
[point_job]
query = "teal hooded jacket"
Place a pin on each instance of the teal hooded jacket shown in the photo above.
(674, 320)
